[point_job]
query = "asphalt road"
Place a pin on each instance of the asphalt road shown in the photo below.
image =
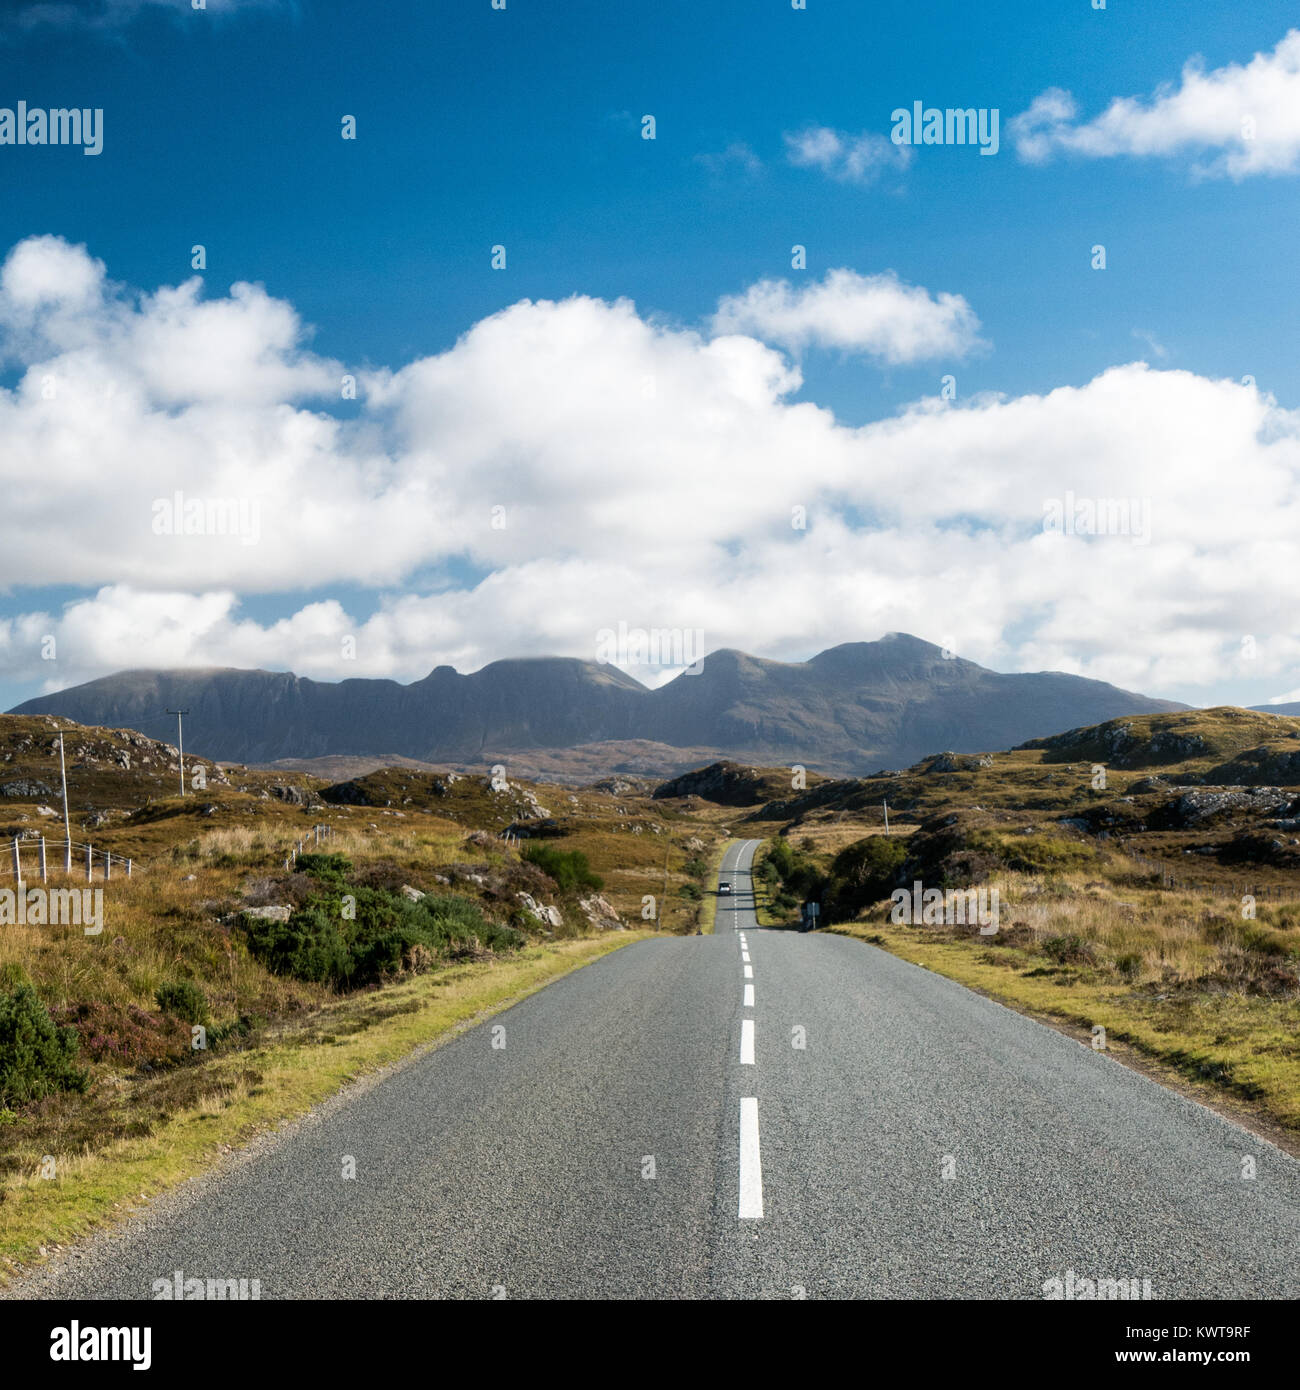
(622, 1143)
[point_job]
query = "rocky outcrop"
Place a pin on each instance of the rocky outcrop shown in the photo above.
(958, 762)
(727, 784)
(601, 914)
(25, 789)
(1268, 765)
(542, 912)
(295, 796)
(1202, 805)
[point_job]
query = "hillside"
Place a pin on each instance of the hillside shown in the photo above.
(853, 708)
(1192, 741)
(1193, 792)
(731, 784)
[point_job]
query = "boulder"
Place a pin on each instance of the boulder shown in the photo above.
(551, 916)
(269, 914)
(295, 796)
(601, 913)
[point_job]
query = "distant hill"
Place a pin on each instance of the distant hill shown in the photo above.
(853, 708)
(1193, 739)
(730, 784)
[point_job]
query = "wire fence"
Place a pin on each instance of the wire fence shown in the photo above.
(35, 857)
(317, 835)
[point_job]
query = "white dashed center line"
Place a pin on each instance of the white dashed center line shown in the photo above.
(751, 1167)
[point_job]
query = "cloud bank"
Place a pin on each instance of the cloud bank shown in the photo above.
(565, 466)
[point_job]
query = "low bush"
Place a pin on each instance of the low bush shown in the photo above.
(569, 868)
(799, 877)
(128, 1036)
(309, 946)
(383, 934)
(1067, 949)
(862, 873)
(327, 868)
(184, 1000)
(37, 1057)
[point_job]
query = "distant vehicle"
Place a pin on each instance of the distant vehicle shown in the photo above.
(724, 887)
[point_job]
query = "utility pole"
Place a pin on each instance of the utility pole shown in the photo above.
(180, 745)
(67, 824)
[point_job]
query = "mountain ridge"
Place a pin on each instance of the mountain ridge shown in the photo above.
(857, 706)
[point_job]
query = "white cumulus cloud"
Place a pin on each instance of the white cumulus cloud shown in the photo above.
(1235, 121)
(879, 315)
(849, 158)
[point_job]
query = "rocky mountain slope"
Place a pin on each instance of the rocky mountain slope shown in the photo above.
(853, 708)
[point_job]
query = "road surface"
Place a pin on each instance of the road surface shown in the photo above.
(748, 1114)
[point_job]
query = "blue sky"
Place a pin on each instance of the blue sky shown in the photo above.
(523, 127)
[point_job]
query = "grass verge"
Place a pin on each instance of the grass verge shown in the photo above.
(245, 1093)
(764, 913)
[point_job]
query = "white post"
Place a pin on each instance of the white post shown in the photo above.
(128, 868)
(885, 804)
(90, 865)
(180, 742)
(18, 864)
(67, 824)
(108, 865)
(44, 875)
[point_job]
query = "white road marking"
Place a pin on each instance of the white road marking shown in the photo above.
(751, 1167)
(749, 972)
(747, 1042)
(749, 996)
(744, 955)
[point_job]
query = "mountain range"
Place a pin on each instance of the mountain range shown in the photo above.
(854, 708)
